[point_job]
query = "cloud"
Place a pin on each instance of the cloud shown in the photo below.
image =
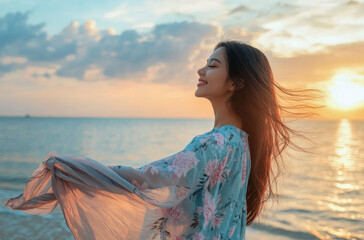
(315, 27)
(166, 53)
(45, 75)
(14, 28)
(7, 68)
(77, 49)
(238, 9)
(318, 67)
(18, 38)
(131, 53)
(352, 3)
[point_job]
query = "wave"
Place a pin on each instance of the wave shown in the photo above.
(14, 179)
(275, 230)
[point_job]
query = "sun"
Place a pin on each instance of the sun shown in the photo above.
(346, 91)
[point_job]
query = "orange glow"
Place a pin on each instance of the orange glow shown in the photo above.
(345, 92)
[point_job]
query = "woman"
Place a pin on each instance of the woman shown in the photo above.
(212, 189)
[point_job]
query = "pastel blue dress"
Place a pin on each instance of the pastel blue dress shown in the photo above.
(197, 193)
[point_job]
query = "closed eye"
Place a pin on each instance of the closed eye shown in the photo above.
(211, 66)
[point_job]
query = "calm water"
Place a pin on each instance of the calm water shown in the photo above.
(321, 194)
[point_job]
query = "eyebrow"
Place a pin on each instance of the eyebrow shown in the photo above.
(212, 59)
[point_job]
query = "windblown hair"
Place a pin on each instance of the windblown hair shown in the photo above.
(255, 101)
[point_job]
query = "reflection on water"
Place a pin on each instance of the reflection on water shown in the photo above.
(343, 163)
(343, 147)
(323, 195)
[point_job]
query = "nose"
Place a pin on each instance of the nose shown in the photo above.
(201, 71)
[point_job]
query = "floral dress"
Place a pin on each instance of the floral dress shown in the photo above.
(197, 193)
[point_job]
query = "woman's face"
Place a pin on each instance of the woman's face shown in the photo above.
(215, 74)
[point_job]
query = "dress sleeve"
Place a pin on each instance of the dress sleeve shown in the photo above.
(120, 202)
(179, 173)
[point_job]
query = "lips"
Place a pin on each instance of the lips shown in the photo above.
(201, 83)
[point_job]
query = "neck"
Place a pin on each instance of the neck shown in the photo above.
(224, 115)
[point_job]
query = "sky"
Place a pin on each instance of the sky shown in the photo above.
(140, 58)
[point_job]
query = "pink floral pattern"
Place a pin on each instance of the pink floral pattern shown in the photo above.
(183, 162)
(173, 214)
(218, 237)
(209, 208)
(231, 231)
(244, 161)
(199, 210)
(216, 222)
(181, 192)
(210, 167)
(198, 236)
(243, 173)
(219, 139)
(153, 170)
(218, 174)
(141, 187)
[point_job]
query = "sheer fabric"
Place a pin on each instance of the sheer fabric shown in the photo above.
(197, 193)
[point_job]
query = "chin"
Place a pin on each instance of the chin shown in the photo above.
(197, 94)
(200, 93)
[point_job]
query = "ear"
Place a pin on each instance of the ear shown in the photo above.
(233, 86)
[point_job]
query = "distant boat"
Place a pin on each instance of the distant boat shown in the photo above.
(27, 115)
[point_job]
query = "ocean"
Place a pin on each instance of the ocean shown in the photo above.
(321, 193)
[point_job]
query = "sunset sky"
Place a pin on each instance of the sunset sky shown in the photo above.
(140, 58)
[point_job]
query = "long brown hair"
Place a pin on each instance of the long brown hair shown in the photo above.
(255, 101)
